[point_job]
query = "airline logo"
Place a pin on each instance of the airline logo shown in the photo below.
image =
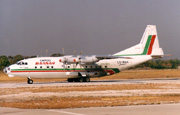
(45, 62)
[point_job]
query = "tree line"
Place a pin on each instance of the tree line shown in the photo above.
(161, 64)
(155, 64)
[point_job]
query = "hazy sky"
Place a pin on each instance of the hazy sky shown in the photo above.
(94, 26)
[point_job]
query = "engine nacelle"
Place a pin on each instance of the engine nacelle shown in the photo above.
(79, 59)
(72, 60)
(69, 59)
(91, 59)
(62, 60)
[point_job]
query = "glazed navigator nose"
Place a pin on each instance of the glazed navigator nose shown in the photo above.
(5, 70)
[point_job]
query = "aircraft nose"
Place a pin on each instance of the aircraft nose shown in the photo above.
(5, 70)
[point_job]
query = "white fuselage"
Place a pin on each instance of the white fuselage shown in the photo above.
(51, 67)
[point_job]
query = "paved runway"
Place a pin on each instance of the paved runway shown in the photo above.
(164, 109)
(102, 82)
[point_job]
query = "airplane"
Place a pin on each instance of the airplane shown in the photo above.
(81, 68)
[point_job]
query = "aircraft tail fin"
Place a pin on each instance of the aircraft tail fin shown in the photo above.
(149, 45)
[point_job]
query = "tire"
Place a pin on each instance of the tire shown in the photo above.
(86, 79)
(76, 79)
(81, 79)
(70, 80)
(30, 81)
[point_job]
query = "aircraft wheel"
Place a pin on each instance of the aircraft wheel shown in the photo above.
(81, 79)
(30, 81)
(86, 79)
(70, 80)
(76, 79)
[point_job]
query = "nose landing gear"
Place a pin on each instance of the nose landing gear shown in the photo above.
(29, 81)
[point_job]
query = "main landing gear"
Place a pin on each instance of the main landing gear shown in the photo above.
(29, 81)
(81, 79)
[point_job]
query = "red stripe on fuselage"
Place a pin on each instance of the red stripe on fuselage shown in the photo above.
(151, 45)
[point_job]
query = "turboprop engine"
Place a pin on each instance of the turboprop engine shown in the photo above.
(88, 59)
(79, 59)
(72, 60)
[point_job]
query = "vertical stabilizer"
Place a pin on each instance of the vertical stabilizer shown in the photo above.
(149, 44)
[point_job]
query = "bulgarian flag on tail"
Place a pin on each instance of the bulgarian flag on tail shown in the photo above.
(149, 45)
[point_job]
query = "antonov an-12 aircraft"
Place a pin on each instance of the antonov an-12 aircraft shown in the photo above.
(82, 68)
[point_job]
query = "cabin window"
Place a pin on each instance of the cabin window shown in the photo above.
(40, 66)
(91, 66)
(35, 67)
(68, 66)
(52, 67)
(26, 63)
(85, 66)
(96, 66)
(105, 66)
(22, 63)
(47, 66)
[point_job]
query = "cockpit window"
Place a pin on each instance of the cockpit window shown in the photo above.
(18, 63)
(22, 63)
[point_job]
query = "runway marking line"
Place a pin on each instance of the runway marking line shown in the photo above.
(70, 113)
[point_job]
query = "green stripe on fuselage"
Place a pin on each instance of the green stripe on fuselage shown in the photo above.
(116, 70)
